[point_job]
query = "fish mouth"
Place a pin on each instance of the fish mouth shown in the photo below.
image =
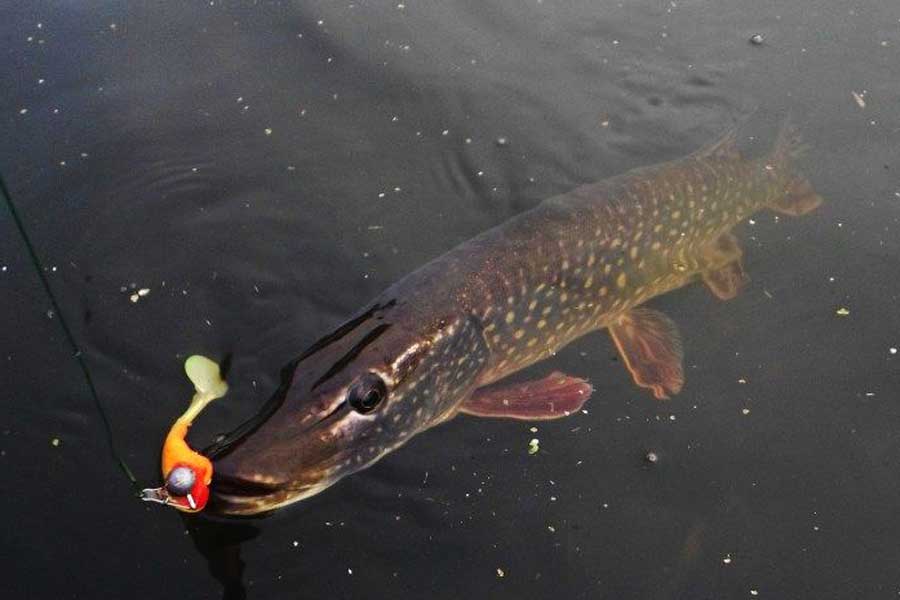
(236, 496)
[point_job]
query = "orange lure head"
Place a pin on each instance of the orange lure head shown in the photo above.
(186, 473)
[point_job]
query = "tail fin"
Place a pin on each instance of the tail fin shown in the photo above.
(799, 197)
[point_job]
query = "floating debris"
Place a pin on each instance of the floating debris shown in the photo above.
(745, 411)
(651, 457)
(54, 442)
(534, 446)
(756, 39)
(892, 350)
(501, 572)
(502, 142)
(842, 312)
(727, 559)
(860, 98)
(139, 294)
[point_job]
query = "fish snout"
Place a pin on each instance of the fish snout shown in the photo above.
(237, 490)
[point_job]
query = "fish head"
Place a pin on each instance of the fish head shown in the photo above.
(354, 396)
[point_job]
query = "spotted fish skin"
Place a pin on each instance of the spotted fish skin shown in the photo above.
(508, 298)
(578, 261)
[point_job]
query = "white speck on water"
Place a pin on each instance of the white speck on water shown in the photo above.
(40, 81)
(296, 543)
(381, 194)
(469, 141)
(268, 131)
(860, 98)
(502, 141)
(445, 132)
(532, 429)
(349, 571)
(480, 173)
(892, 350)
(727, 559)
(55, 442)
(23, 111)
(745, 411)
(500, 572)
(756, 39)
(754, 593)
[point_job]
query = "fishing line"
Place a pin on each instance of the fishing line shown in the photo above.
(76, 351)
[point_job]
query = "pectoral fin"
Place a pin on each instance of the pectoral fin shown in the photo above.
(724, 274)
(552, 397)
(651, 348)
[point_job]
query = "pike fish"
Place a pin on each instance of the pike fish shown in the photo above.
(441, 341)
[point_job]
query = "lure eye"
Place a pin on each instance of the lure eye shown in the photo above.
(181, 481)
(367, 393)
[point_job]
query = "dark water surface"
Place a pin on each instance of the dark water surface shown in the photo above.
(264, 169)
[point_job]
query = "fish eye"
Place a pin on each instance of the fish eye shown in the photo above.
(367, 393)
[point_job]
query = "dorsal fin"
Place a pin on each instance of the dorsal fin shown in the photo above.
(723, 148)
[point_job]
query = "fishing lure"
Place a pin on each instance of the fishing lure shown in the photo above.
(186, 473)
